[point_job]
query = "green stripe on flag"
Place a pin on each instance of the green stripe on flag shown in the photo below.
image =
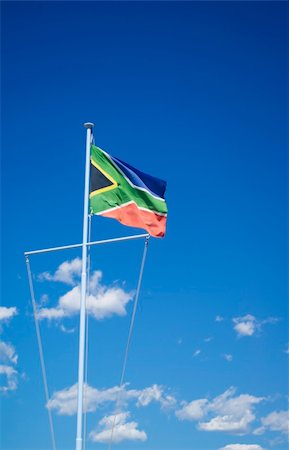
(123, 193)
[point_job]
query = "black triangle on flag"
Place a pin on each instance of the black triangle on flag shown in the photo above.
(99, 180)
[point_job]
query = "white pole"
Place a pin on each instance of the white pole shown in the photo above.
(88, 127)
(104, 241)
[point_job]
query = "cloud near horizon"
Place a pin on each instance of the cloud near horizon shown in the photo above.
(102, 301)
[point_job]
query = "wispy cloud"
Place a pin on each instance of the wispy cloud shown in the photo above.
(8, 355)
(11, 378)
(64, 402)
(8, 373)
(196, 353)
(102, 301)
(44, 299)
(219, 318)
(275, 421)
(226, 412)
(242, 447)
(228, 357)
(67, 330)
(123, 430)
(249, 325)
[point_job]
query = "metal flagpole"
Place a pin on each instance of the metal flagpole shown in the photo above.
(88, 127)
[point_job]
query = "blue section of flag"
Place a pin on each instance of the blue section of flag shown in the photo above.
(154, 185)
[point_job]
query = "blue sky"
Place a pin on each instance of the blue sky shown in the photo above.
(191, 92)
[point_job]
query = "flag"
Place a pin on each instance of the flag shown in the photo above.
(121, 192)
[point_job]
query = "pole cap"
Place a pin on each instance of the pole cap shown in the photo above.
(88, 125)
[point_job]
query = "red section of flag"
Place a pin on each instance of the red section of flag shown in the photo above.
(131, 215)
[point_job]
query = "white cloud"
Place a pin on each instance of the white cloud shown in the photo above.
(44, 299)
(226, 412)
(196, 353)
(123, 430)
(11, 376)
(231, 423)
(242, 447)
(219, 318)
(167, 402)
(208, 339)
(8, 353)
(248, 325)
(147, 395)
(287, 349)
(234, 413)
(67, 272)
(102, 301)
(51, 313)
(64, 402)
(228, 357)
(152, 393)
(194, 410)
(7, 313)
(67, 330)
(275, 421)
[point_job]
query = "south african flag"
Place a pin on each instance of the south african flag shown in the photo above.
(132, 197)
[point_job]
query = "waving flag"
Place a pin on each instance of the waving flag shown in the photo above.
(121, 192)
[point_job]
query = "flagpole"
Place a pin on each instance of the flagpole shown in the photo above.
(88, 127)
